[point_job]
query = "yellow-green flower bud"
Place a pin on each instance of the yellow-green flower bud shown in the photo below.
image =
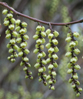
(26, 76)
(9, 15)
(56, 34)
(48, 45)
(24, 24)
(23, 45)
(80, 89)
(8, 36)
(55, 56)
(22, 31)
(51, 50)
(40, 70)
(73, 60)
(15, 47)
(40, 55)
(43, 54)
(43, 34)
(69, 71)
(44, 62)
(48, 77)
(26, 51)
(17, 22)
(75, 34)
(11, 50)
(12, 60)
(5, 11)
(54, 73)
(35, 37)
(11, 27)
(70, 81)
(7, 31)
(48, 60)
(69, 65)
(14, 33)
(75, 76)
(42, 28)
(50, 66)
(50, 36)
(68, 39)
(17, 28)
(76, 51)
(72, 44)
(8, 45)
(22, 63)
(50, 82)
(9, 58)
(39, 41)
(48, 31)
(18, 40)
(25, 59)
(43, 40)
(44, 69)
(36, 51)
(25, 68)
(26, 37)
(37, 65)
(78, 94)
(38, 28)
(12, 20)
(40, 79)
(55, 65)
(12, 41)
(41, 47)
(56, 49)
(55, 41)
(68, 54)
(52, 88)
(77, 67)
(6, 23)
(20, 54)
(73, 85)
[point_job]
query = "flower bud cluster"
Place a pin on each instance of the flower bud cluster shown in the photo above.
(73, 51)
(52, 50)
(10, 34)
(41, 62)
(22, 50)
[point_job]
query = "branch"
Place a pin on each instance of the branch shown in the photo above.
(37, 20)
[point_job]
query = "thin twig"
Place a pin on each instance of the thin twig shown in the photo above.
(37, 20)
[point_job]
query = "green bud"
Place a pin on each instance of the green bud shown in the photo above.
(24, 24)
(73, 60)
(48, 45)
(77, 82)
(12, 41)
(40, 70)
(48, 31)
(72, 44)
(78, 94)
(42, 28)
(50, 82)
(48, 77)
(8, 45)
(11, 50)
(37, 32)
(48, 60)
(55, 65)
(22, 63)
(76, 42)
(26, 76)
(7, 31)
(12, 20)
(9, 58)
(8, 36)
(43, 54)
(38, 28)
(70, 81)
(73, 85)
(15, 47)
(14, 33)
(50, 36)
(44, 62)
(39, 55)
(5, 11)
(76, 51)
(20, 54)
(75, 76)
(51, 50)
(25, 68)
(25, 59)
(40, 79)
(12, 60)
(9, 15)
(50, 66)
(55, 41)
(41, 47)
(68, 54)
(11, 27)
(18, 40)
(23, 45)
(26, 51)
(37, 65)
(31, 77)
(75, 34)
(56, 34)
(69, 65)
(52, 88)
(17, 28)
(44, 69)
(77, 67)
(16, 55)
(68, 34)
(43, 34)
(69, 71)
(56, 49)
(68, 39)
(17, 22)
(80, 89)
(55, 56)
(36, 51)
(43, 40)
(54, 73)
(26, 37)
(22, 31)
(39, 41)
(6, 23)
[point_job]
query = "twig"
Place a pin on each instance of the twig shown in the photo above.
(37, 20)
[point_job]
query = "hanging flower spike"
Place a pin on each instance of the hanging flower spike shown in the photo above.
(72, 65)
(23, 51)
(52, 50)
(10, 34)
(41, 62)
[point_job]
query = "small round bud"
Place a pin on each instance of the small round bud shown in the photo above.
(22, 63)
(72, 44)
(55, 65)
(31, 77)
(24, 24)
(56, 34)
(7, 31)
(9, 15)
(48, 45)
(44, 62)
(43, 54)
(56, 49)
(35, 37)
(51, 50)
(26, 76)
(9, 58)
(43, 40)
(36, 51)
(25, 68)
(22, 31)
(12, 41)
(11, 50)
(50, 82)
(40, 70)
(48, 60)
(69, 71)
(73, 60)
(78, 94)
(77, 82)
(52, 88)
(55, 41)
(39, 55)
(80, 89)
(50, 66)
(77, 67)
(17, 22)
(54, 73)
(43, 34)
(6, 23)
(44, 69)
(8, 45)
(48, 77)
(14, 33)
(73, 86)
(39, 41)
(55, 56)
(8, 36)
(11, 27)
(68, 54)
(68, 39)
(70, 81)
(75, 76)
(75, 34)
(20, 54)
(12, 20)
(40, 79)
(12, 60)
(41, 47)
(26, 37)
(69, 65)
(38, 28)
(25, 59)
(17, 28)
(42, 28)
(15, 47)
(37, 65)
(5, 11)
(26, 51)
(50, 36)
(48, 31)
(76, 51)
(23, 45)
(18, 40)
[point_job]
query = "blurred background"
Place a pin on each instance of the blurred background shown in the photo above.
(13, 84)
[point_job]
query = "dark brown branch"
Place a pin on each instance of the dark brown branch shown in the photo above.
(37, 20)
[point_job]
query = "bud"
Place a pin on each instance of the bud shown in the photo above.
(75, 34)
(56, 49)
(70, 80)
(8, 36)
(43, 54)
(39, 55)
(38, 28)
(9, 15)
(11, 27)
(73, 86)
(6, 23)
(26, 37)
(12, 60)
(54, 73)
(69, 71)
(50, 66)
(48, 45)
(5, 11)
(55, 56)
(75, 76)
(51, 50)
(55, 41)
(41, 47)
(50, 82)
(52, 88)
(12, 20)
(80, 89)
(48, 77)
(20, 54)
(48, 31)
(68, 54)
(76, 51)
(17, 28)
(11, 50)
(43, 40)
(25, 59)
(25, 68)
(22, 63)
(36, 51)
(12, 41)
(48, 60)
(22, 31)
(24, 24)
(42, 28)
(40, 70)
(55, 65)
(23, 45)
(39, 41)
(68, 39)
(72, 44)
(40, 79)
(78, 94)
(26, 51)
(43, 34)
(14, 33)
(73, 60)
(44, 62)
(77, 67)
(50, 36)
(56, 34)
(37, 65)
(17, 22)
